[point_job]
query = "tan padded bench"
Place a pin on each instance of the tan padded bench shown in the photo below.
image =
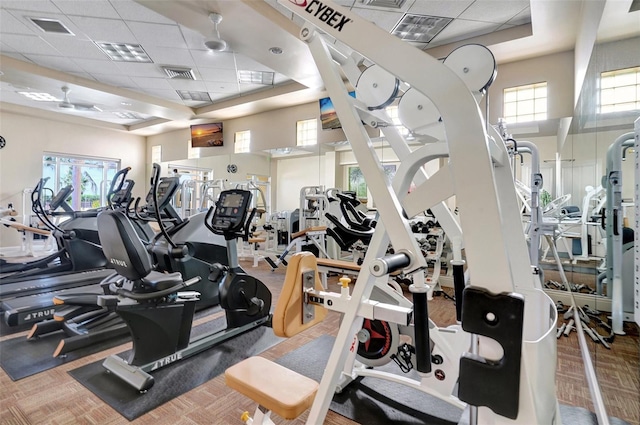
(308, 230)
(338, 264)
(272, 386)
(257, 240)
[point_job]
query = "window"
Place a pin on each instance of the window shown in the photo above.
(392, 111)
(156, 154)
(90, 178)
(620, 90)
(525, 103)
(243, 141)
(191, 151)
(307, 132)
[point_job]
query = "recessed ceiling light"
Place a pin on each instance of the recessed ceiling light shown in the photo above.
(40, 97)
(255, 77)
(420, 28)
(51, 26)
(125, 103)
(127, 115)
(275, 50)
(198, 96)
(124, 52)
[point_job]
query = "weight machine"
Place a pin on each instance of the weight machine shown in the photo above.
(505, 304)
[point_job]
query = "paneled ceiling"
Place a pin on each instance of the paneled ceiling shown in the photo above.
(142, 98)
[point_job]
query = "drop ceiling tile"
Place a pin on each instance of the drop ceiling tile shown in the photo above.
(82, 75)
(524, 17)
(28, 44)
(189, 85)
(194, 39)
(53, 62)
(30, 5)
(246, 63)
(152, 83)
(97, 66)
(445, 9)
(385, 20)
(160, 35)
(170, 56)
(5, 48)
(461, 29)
(218, 75)
(222, 88)
(141, 69)
(98, 9)
(221, 96)
(209, 59)
(71, 47)
(132, 11)
(498, 11)
(99, 29)
(115, 80)
(163, 94)
(14, 25)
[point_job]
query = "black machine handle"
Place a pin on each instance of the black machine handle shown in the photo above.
(247, 225)
(615, 222)
(155, 178)
(116, 184)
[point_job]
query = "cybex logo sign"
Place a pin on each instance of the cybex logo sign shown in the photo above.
(326, 14)
(117, 262)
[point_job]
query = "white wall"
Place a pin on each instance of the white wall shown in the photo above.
(292, 175)
(28, 137)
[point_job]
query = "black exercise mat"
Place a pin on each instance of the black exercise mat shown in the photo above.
(372, 401)
(176, 379)
(20, 357)
(378, 402)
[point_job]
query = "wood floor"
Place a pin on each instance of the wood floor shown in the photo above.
(54, 397)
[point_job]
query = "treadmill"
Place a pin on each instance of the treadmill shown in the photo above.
(30, 302)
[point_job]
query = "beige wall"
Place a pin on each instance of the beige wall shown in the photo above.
(28, 137)
(556, 70)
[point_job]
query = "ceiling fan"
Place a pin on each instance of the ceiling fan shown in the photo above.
(67, 104)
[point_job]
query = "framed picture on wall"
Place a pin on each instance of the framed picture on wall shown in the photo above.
(206, 135)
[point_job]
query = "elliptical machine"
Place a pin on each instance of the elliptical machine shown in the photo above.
(77, 238)
(158, 316)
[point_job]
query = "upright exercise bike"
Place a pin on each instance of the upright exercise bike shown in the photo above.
(158, 315)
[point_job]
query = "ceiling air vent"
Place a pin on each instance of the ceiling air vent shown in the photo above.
(51, 26)
(179, 73)
(391, 4)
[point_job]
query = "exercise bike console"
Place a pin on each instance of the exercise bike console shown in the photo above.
(230, 215)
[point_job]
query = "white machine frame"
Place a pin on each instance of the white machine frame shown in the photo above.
(478, 174)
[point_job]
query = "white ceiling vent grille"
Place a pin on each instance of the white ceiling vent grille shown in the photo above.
(51, 26)
(391, 4)
(179, 73)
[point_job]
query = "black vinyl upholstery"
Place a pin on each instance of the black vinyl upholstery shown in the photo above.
(122, 247)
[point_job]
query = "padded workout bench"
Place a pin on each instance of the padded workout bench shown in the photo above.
(328, 265)
(311, 235)
(253, 249)
(274, 387)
